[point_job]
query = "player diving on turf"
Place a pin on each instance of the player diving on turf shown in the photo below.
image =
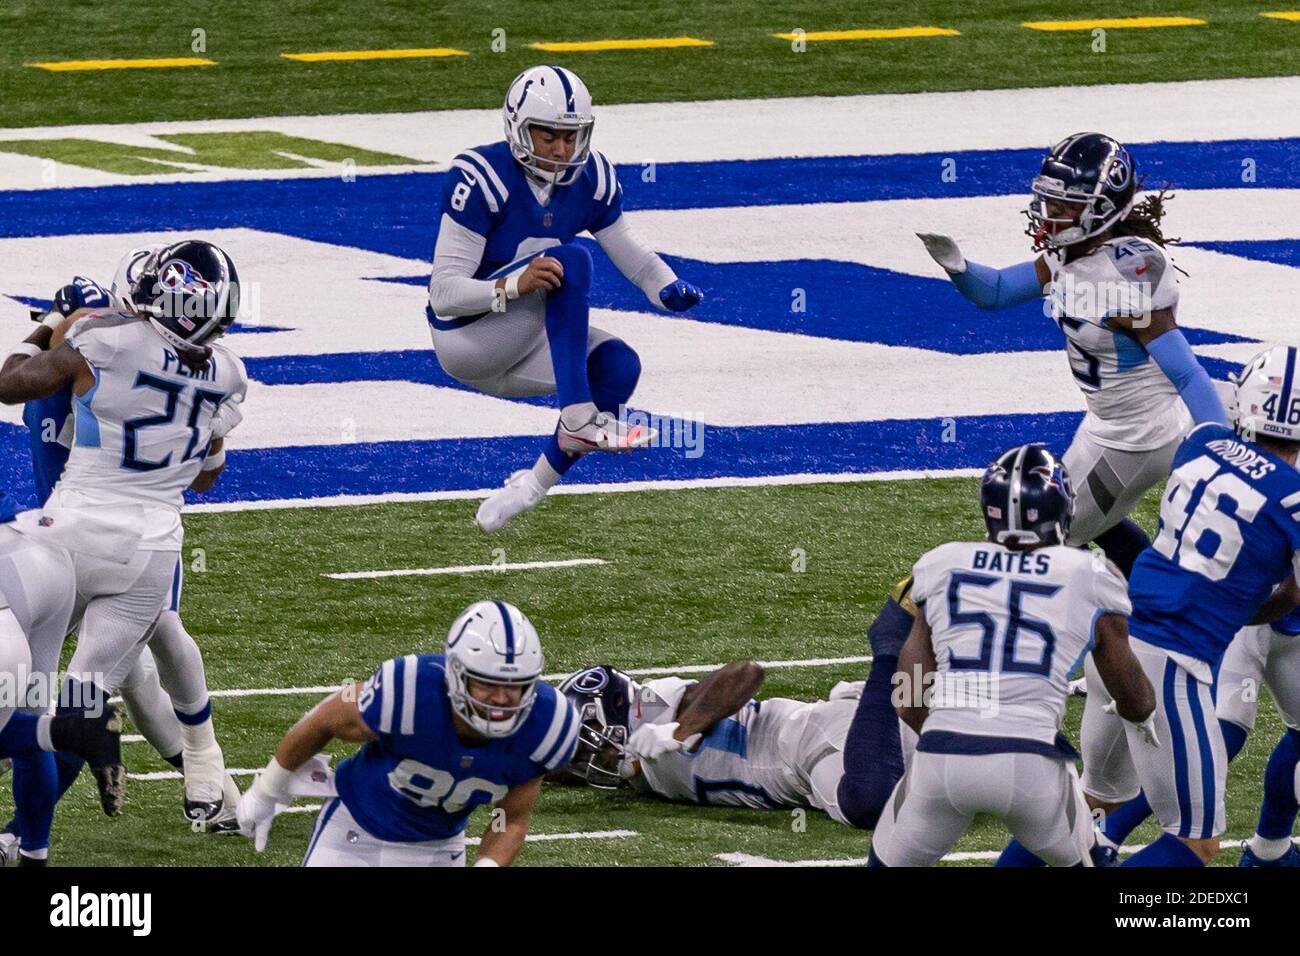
(510, 289)
(1113, 292)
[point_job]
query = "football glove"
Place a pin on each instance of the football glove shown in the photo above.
(652, 741)
(1147, 728)
(680, 295)
(80, 293)
(944, 250)
(257, 808)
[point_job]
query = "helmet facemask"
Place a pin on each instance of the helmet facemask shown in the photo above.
(1097, 214)
(602, 749)
(563, 172)
(479, 714)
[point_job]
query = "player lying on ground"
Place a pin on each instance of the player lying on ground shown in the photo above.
(510, 290)
(984, 674)
(171, 726)
(146, 384)
(1114, 295)
(1229, 535)
(441, 734)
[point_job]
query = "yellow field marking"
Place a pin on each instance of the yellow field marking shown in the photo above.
(895, 33)
(1283, 15)
(334, 56)
(595, 46)
(1118, 23)
(61, 66)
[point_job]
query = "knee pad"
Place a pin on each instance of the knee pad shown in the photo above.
(613, 369)
(576, 261)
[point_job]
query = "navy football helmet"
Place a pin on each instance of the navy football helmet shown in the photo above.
(1090, 170)
(1027, 498)
(602, 696)
(190, 292)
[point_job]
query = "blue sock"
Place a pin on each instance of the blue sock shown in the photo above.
(613, 368)
(176, 761)
(1278, 811)
(558, 459)
(1123, 543)
(566, 324)
(1126, 818)
(36, 792)
(18, 739)
(1234, 737)
(1015, 854)
(1167, 851)
(873, 753)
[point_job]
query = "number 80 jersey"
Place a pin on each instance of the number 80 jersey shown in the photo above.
(419, 781)
(1008, 629)
(1229, 533)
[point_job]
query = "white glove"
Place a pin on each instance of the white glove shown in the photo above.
(652, 741)
(1147, 728)
(263, 800)
(228, 416)
(944, 250)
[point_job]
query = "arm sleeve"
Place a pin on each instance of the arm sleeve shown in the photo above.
(642, 265)
(453, 290)
(1175, 358)
(991, 288)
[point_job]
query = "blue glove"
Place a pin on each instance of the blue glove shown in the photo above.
(80, 293)
(680, 295)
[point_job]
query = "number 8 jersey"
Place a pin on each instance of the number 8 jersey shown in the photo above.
(1229, 533)
(1008, 629)
(142, 431)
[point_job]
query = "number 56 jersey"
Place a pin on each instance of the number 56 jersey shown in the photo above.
(1229, 533)
(142, 431)
(1008, 629)
(419, 781)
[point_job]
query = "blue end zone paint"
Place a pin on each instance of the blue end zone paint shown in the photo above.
(466, 463)
(1283, 252)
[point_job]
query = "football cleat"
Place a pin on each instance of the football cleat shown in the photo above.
(205, 788)
(226, 821)
(1290, 858)
(604, 433)
(1078, 687)
(8, 849)
(847, 690)
(97, 740)
(520, 492)
(5, 766)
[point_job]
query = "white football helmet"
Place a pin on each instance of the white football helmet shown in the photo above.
(554, 97)
(1268, 395)
(493, 643)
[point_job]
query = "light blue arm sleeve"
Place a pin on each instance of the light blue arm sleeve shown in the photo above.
(1175, 358)
(991, 288)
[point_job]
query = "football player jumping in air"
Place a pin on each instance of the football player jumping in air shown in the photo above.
(510, 288)
(147, 382)
(985, 673)
(1114, 295)
(1229, 536)
(441, 735)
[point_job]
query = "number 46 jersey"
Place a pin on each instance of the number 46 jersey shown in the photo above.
(419, 780)
(1229, 533)
(1008, 629)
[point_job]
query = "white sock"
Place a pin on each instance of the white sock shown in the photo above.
(546, 475)
(43, 733)
(1267, 849)
(578, 414)
(198, 737)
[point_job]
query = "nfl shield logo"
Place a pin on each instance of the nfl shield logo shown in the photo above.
(45, 521)
(547, 220)
(467, 761)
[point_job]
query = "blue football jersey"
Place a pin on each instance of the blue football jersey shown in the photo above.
(487, 192)
(1229, 533)
(419, 780)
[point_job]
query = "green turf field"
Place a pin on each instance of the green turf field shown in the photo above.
(247, 37)
(693, 577)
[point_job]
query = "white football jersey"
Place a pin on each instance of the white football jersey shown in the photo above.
(1132, 405)
(744, 761)
(1008, 629)
(141, 433)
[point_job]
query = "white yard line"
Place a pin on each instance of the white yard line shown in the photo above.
(747, 859)
(593, 488)
(463, 569)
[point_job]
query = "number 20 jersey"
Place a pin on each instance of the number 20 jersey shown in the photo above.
(1229, 533)
(419, 781)
(1008, 629)
(141, 432)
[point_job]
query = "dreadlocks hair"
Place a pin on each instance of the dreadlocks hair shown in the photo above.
(1143, 220)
